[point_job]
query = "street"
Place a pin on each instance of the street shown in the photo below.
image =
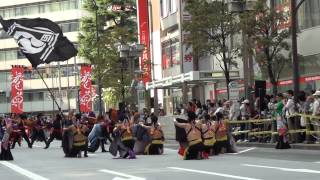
(249, 164)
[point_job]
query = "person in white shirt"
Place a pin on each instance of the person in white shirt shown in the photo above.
(245, 115)
(293, 122)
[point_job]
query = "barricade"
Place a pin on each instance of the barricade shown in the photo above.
(307, 130)
(169, 129)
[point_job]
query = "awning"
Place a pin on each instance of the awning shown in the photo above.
(192, 78)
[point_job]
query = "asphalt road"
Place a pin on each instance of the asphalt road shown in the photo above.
(249, 164)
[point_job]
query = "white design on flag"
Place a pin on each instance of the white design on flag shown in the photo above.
(37, 40)
(29, 44)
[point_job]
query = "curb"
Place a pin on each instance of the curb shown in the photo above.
(273, 145)
(301, 146)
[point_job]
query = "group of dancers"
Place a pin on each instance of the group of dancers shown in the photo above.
(200, 139)
(129, 134)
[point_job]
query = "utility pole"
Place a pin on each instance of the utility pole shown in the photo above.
(98, 56)
(295, 60)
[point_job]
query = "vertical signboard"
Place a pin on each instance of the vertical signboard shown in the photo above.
(85, 89)
(17, 89)
(144, 38)
(187, 57)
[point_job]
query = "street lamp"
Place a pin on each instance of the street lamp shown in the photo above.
(129, 53)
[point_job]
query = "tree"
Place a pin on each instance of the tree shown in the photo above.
(116, 24)
(265, 27)
(210, 30)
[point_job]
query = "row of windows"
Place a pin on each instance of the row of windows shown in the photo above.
(46, 73)
(65, 27)
(39, 8)
(39, 96)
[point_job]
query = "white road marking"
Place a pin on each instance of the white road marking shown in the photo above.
(121, 174)
(246, 150)
(22, 171)
(92, 154)
(36, 146)
(172, 150)
(284, 169)
(213, 173)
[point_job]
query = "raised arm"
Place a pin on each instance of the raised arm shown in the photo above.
(181, 125)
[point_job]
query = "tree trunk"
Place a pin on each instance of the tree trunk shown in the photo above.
(274, 88)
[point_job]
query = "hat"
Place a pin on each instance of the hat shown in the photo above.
(317, 93)
(245, 101)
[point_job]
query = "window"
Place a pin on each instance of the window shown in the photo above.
(33, 9)
(164, 8)
(173, 6)
(11, 55)
(309, 14)
(4, 76)
(74, 4)
(38, 96)
(2, 55)
(2, 97)
(27, 96)
(170, 53)
(69, 26)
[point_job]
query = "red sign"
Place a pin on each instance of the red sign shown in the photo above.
(85, 89)
(144, 38)
(17, 89)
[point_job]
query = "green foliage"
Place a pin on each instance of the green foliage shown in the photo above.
(210, 30)
(263, 25)
(116, 21)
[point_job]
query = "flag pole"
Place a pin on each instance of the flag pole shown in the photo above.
(52, 96)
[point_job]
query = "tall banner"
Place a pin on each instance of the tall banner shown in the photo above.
(187, 57)
(85, 89)
(144, 38)
(17, 89)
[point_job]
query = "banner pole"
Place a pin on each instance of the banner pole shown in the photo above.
(52, 96)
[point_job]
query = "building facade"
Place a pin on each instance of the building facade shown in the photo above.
(177, 75)
(173, 67)
(61, 77)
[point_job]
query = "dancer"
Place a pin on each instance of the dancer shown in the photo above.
(38, 131)
(194, 136)
(156, 133)
(208, 134)
(56, 131)
(5, 153)
(124, 142)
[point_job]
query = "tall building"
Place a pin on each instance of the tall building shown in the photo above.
(61, 77)
(178, 76)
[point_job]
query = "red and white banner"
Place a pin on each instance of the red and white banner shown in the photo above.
(17, 89)
(144, 38)
(85, 89)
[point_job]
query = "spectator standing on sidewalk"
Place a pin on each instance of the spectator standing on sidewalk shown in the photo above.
(245, 115)
(290, 110)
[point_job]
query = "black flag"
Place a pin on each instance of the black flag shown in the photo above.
(40, 40)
